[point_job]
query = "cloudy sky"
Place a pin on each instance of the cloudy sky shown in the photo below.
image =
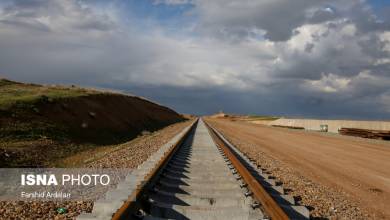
(302, 58)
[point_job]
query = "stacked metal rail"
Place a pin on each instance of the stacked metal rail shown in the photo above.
(365, 133)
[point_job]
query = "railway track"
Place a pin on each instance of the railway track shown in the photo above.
(198, 175)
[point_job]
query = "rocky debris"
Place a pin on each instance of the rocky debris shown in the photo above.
(44, 98)
(64, 106)
(144, 132)
(131, 155)
(43, 210)
(84, 125)
(7, 156)
(36, 110)
(92, 114)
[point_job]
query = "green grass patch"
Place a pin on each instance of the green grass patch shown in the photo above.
(32, 130)
(262, 117)
(13, 93)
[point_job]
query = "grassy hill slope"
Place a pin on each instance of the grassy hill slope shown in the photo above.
(40, 125)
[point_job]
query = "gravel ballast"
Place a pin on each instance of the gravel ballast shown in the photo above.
(130, 155)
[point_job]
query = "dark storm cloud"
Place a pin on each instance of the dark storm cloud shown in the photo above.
(309, 47)
(322, 15)
(230, 18)
(278, 18)
(303, 58)
(210, 100)
(373, 46)
(366, 20)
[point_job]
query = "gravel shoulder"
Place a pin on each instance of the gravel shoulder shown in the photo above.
(128, 155)
(337, 178)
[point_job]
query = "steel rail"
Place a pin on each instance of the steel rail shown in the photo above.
(270, 206)
(131, 205)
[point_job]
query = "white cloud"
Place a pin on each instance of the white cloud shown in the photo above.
(329, 83)
(386, 38)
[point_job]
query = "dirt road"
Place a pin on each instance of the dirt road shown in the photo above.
(336, 176)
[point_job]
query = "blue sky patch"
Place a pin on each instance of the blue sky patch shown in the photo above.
(162, 14)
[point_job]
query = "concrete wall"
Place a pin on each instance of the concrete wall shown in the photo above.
(333, 125)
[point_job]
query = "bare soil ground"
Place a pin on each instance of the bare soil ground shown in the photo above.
(127, 155)
(336, 177)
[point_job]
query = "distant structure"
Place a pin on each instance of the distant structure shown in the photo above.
(332, 126)
(220, 114)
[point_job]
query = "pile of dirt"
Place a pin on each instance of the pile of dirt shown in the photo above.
(107, 118)
(66, 125)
